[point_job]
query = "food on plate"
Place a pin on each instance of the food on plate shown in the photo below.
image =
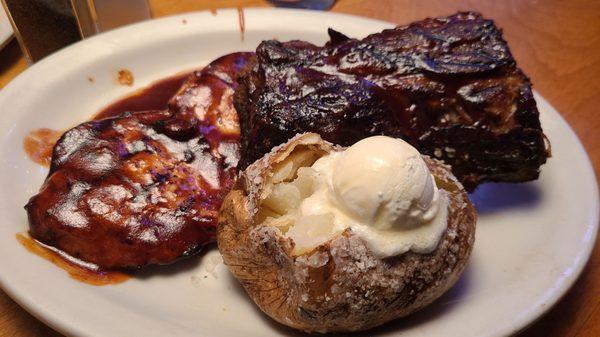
(142, 188)
(126, 191)
(448, 86)
(327, 239)
(145, 187)
(208, 96)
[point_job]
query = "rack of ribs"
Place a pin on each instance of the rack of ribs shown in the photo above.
(449, 86)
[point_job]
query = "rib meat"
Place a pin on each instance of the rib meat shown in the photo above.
(449, 86)
(144, 187)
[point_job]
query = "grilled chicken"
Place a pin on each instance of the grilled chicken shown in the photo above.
(144, 187)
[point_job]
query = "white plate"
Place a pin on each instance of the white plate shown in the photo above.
(532, 239)
(6, 31)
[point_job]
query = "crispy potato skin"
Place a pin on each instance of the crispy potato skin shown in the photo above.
(340, 286)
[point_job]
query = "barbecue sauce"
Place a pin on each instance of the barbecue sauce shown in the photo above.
(242, 22)
(154, 97)
(38, 144)
(78, 270)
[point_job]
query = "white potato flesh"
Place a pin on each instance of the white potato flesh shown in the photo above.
(283, 198)
(310, 232)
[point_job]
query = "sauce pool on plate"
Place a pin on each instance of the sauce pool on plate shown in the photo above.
(154, 97)
(38, 144)
(79, 270)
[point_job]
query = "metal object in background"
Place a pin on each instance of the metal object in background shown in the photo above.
(95, 16)
(45, 26)
(307, 4)
(42, 26)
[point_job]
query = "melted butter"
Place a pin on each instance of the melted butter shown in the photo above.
(78, 270)
(38, 145)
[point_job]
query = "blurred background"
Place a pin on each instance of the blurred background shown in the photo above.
(556, 42)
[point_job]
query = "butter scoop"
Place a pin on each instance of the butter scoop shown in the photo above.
(379, 188)
(384, 183)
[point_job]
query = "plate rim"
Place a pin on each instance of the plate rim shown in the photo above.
(63, 325)
(534, 316)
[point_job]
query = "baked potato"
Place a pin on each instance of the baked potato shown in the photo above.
(339, 285)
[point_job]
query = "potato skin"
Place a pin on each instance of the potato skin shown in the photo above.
(340, 286)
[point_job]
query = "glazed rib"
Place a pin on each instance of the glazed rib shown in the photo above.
(449, 86)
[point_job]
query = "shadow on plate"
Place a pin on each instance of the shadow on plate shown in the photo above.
(498, 197)
(281, 329)
(180, 266)
(438, 308)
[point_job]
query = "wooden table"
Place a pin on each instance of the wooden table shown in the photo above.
(557, 43)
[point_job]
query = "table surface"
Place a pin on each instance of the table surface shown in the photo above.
(557, 43)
